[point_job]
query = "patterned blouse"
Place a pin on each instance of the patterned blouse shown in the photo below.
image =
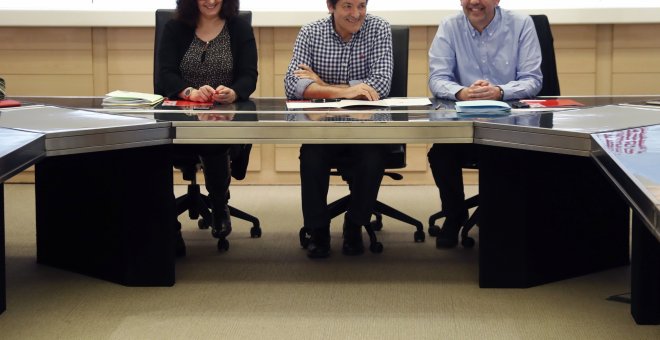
(209, 63)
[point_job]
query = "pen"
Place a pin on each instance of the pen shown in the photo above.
(437, 107)
(325, 100)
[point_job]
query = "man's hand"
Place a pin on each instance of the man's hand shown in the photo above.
(321, 89)
(360, 91)
(479, 90)
(306, 72)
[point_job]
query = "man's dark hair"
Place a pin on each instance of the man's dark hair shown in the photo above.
(334, 2)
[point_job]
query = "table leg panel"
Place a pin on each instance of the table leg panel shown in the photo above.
(546, 217)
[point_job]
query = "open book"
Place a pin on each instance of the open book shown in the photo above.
(126, 98)
(331, 103)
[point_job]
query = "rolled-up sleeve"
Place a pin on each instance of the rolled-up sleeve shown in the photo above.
(294, 87)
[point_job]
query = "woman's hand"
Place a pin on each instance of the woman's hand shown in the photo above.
(215, 116)
(224, 95)
(203, 94)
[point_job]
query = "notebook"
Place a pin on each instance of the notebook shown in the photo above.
(127, 98)
(482, 108)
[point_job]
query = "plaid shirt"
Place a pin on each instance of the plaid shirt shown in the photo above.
(366, 58)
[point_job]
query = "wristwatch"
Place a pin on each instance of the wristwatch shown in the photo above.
(187, 92)
(501, 93)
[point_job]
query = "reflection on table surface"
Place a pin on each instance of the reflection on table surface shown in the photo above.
(274, 109)
(638, 151)
(368, 116)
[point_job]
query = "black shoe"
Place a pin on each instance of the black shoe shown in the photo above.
(319, 243)
(221, 223)
(179, 245)
(448, 236)
(352, 245)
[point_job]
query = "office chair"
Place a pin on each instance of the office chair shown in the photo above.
(396, 157)
(548, 63)
(196, 203)
(550, 88)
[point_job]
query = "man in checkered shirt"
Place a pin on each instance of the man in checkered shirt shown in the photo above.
(345, 55)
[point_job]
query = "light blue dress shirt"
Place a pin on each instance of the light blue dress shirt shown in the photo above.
(506, 54)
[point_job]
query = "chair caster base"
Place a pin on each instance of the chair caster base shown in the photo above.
(377, 224)
(376, 248)
(203, 224)
(255, 232)
(434, 230)
(223, 245)
(419, 236)
(467, 242)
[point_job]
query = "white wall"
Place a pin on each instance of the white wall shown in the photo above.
(319, 5)
(139, 13)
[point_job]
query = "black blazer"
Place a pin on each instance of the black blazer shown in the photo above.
(175, 41)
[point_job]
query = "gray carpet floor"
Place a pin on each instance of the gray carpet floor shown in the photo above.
(266, 288)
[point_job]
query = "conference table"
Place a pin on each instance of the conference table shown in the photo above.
(548, 211)
(630, 158)
(18, 151)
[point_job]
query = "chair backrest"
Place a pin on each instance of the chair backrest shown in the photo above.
(400, 37)
(548, 64)
(162, 17)
(396, 157)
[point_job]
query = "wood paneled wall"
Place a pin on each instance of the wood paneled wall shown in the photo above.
(592, 60)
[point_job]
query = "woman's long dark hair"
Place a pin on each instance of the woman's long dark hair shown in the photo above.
(188, 12)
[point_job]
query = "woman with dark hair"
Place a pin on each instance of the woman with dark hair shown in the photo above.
(208, 53)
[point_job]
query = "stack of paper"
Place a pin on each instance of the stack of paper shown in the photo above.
(126, 98)
(482, 108)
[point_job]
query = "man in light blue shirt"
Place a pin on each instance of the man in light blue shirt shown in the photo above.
(484, 53)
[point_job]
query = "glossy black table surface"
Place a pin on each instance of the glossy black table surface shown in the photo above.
(632, 159)
(18, 151)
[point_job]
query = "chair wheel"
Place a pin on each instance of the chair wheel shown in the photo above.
(255, 232)
(203, 224)
(223, 244)
(377, 224)
(304, 237)
(467, 242)
(419, 236)
(434, 230)
(376, 247)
